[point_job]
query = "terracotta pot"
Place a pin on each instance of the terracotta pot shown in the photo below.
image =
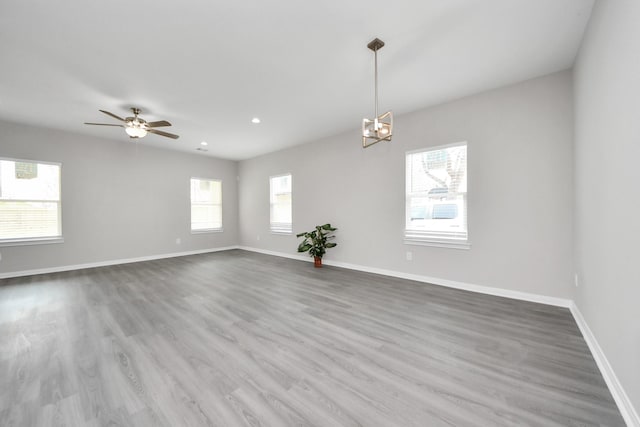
(317, 262)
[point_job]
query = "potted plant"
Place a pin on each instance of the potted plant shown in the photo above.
(317, 242)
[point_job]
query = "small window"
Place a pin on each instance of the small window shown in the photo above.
(436, 196)
(280, 204)
(206, 205)
(29, 201)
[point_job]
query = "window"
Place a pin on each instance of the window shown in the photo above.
(29, 201)
(436, 196)
(206, 205)
(280, 204)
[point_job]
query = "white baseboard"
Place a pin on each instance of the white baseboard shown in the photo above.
(524, 296)
(622, 400)
(109, 262)
(280, 254)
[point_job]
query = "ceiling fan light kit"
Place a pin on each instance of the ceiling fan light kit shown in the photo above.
(380, 128)
(137, 127)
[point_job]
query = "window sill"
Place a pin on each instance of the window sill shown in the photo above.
(31, 241)
(284, 233)
(211, 230)
(440, 243)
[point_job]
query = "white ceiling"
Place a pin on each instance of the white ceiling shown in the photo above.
(303, 67)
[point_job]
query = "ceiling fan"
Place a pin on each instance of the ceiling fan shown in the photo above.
(137, 127)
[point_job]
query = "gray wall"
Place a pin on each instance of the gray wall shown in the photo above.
(119, 200)
(520, 190)
(607, 149)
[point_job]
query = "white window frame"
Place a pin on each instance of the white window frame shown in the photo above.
(20, 241)
(282, 228)
(415, 236)
(206, 230)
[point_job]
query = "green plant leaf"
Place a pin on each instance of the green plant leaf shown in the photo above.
(304, 247)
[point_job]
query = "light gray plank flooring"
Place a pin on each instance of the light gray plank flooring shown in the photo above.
(242, 339)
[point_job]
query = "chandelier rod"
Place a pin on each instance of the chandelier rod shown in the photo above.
(375, 45)
(375, 54)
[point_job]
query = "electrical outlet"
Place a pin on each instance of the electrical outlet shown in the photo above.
(409, 256)
(178, 240)
(576, 280)
(258, 237)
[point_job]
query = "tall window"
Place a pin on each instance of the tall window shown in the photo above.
(436, 196)
(206, 204)
(29, 201)
(280, 201)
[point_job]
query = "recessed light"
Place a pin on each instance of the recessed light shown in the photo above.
(205, 143)
(255, 120)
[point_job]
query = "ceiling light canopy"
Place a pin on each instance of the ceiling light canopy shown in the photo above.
(381, 127)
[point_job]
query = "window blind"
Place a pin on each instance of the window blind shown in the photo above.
(436, 194)
(206, 204)
(280, 204)
(29, 200)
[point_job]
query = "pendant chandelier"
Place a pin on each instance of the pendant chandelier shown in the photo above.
(381, 127)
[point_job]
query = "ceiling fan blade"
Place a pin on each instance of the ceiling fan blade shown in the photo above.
(159, 132)
(158, 124)
(103, 124)
(112, 115)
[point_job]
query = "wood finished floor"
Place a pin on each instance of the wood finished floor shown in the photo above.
(242, 339)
